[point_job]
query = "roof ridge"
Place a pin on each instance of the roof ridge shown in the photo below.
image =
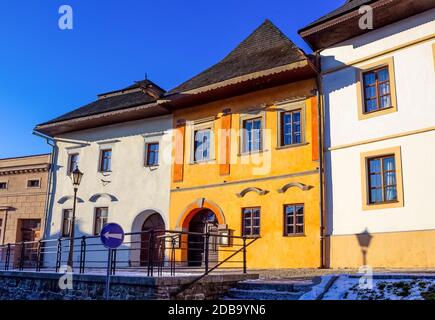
(266, 24)
(250, 55)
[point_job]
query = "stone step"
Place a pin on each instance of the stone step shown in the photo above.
(287, 286)
(241, 294)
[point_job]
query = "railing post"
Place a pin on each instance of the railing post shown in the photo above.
(38, 256)
(172, 262)
(151, 254)
(160, 258)
(58, 254)
(21, 264)
(8, 256)
(207, 251)
(244, 254)
(82, 255)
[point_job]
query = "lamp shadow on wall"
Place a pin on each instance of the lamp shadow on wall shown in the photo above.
(364, 240)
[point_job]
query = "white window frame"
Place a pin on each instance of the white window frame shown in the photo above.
(94, 225)
(208, 125)
(251, 115)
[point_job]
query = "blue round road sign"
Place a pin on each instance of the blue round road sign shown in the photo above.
(112, 235)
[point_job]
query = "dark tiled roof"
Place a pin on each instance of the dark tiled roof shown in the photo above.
(111, 103)
(348, 6)
(266, 48)
(137, 84)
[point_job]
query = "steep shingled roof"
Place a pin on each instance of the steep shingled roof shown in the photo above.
(266, 48)
(112, 102)
(348, 6)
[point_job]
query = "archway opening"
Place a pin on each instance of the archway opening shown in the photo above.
(202, 222)
(152, 249)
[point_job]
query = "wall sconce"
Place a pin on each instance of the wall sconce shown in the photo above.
(225, 238)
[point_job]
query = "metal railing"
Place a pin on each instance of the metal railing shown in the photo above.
(154, 252)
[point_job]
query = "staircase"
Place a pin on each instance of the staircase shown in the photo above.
(284, 289)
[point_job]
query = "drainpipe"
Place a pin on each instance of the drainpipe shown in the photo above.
(52, 143)
(321, 164)
(4, 226)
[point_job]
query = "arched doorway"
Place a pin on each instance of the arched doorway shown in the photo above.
(153, 225)
(202, 222)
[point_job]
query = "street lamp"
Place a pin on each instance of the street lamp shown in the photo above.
(76, 177)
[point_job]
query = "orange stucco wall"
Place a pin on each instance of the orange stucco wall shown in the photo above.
(412, 249)
(278, 168)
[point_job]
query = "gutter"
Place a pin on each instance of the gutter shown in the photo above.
(320, 105)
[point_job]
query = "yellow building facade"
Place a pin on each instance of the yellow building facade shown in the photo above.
(248, 155)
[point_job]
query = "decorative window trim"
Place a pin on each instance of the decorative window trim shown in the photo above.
(36, 179)
(259, 191)
(299, 185)
(288, 107)
(250, 115)
(202, 124)
(388, 62)
(147, 143)
(366, 205)
(153, 134)
(107, 143)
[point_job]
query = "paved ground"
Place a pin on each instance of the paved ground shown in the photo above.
(310, 273)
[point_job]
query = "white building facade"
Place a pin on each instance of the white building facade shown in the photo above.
(379, 141)
(126, 168)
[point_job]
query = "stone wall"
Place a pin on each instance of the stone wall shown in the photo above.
(45, 286)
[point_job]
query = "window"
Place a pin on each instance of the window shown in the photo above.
(252, 135)
(152, 154)
(35, 183)
(101, 215)
(376, 89)
(106, 160)
(202, 145)
(1, 228)
(382, 179)
(3, 185)
(293, 220)
(66, 222)
(251, 221)
(377, 94)
(291, 128)
(73, 162)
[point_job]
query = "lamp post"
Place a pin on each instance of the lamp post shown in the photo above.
(76, 177)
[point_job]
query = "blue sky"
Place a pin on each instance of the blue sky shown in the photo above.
(45, 71)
